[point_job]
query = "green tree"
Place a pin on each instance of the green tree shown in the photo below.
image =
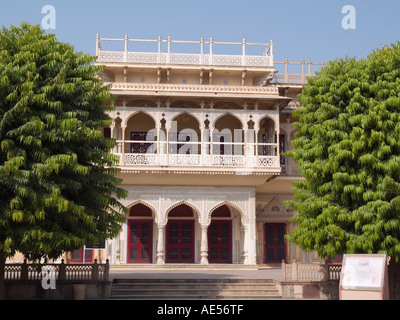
(348, 148)
(58, 185)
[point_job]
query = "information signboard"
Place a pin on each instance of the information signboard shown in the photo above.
(99, 245)
(364, 276)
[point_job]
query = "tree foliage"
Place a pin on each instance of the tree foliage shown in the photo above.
(348, 148)
(58, 186)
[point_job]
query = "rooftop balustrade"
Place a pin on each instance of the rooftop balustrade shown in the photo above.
(169, 57)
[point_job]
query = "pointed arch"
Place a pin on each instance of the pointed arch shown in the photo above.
(227, 114)
(139, 112)
(189, 114)
(177, 204)
(229, 204)
(153, 210)
(268, 117)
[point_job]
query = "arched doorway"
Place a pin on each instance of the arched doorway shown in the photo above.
(140, 234)
(140, 133)
(228, 136)
(180, 235)
(184, 135)
(220, 236)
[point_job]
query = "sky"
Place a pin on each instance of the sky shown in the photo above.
(309, 29)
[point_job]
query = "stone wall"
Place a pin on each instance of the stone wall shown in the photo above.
(324, 290)
(65, 290)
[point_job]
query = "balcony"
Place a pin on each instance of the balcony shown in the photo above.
(246, 163)
(170, 139)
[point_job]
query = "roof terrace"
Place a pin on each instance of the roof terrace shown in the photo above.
(200, 59)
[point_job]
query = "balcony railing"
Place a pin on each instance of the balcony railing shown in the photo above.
(310, 272)
(62, 271)
(209, 59)
(265, 159)
(297, 78)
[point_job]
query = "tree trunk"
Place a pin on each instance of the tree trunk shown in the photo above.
(394, 279)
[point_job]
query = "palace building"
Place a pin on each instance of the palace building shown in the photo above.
(200, 136)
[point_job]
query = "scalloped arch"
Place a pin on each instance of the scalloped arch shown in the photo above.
(228, 203)
(153, 210)
(195, 209)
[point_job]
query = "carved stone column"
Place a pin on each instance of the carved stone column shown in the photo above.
(123, 146)
(241, 243)
(161, 244)
(204, 244)
(246, 244)
(260, 243)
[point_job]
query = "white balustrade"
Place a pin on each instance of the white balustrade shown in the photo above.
(264, 60)
(310, 272)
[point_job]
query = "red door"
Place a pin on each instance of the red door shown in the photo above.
(220, 241)
(140, 241)
(180, 241)
(275, 246)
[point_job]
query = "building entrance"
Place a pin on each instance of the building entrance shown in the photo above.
(274, 245)
(220, 241)
(180, 235)
(140, 241)
(180, 241)
(140, 235)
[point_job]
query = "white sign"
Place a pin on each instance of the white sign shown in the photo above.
(363, 272)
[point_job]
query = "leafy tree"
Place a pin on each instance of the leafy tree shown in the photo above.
(58, 186)
(348, 149)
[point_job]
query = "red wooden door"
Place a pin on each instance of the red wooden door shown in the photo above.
(274, 245)
(220, 241)
(140, 241)
(180, 241)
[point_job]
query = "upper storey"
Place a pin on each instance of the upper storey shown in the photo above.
(152, 68)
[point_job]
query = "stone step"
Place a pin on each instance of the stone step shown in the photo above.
(176, 286)
(198, 297)
(186, 280)
(179, 266)
(189, 289)
(192, 291)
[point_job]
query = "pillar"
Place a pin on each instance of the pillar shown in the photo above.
(246, 244)
(123, 146)
(260, 243)
(160, 244)
(204, 244)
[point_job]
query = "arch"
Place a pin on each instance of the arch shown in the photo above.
(138, 112)
(227, 114)
(185, 127)
(154, 211)
(229, 204)
(145, 211)
(181, 211)
(190, 115)
(270, 118)
(195, 209)
(221, 212)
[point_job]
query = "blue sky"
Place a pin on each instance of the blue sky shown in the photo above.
(299, 29)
